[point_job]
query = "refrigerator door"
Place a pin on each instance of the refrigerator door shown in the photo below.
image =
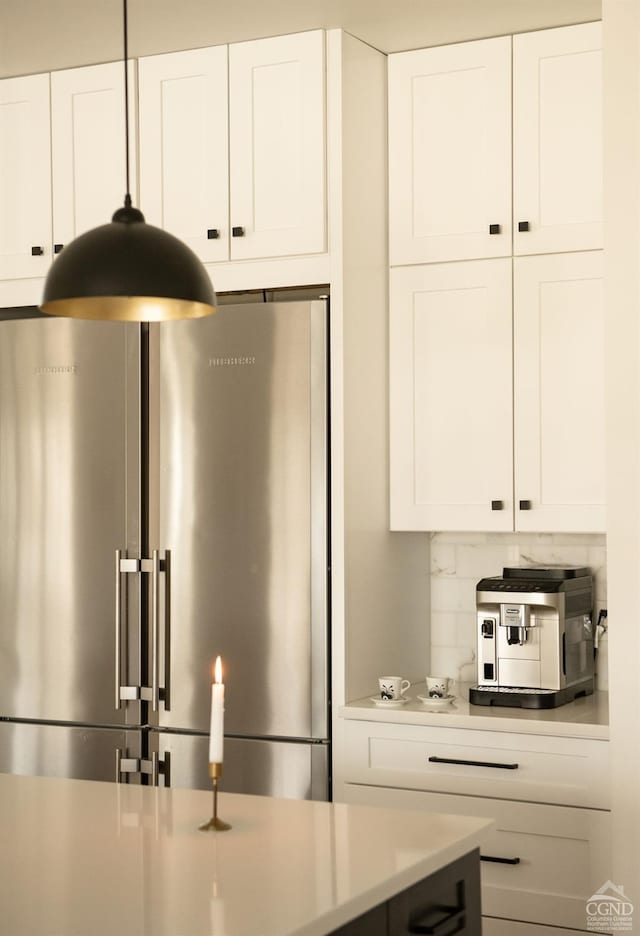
(77, 752)
(69, 482)
(288, 769)
(239, 431)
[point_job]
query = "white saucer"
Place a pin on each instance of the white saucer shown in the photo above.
(436, 704)
(390, 703)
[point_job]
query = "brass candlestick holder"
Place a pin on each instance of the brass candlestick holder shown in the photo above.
(215, 772)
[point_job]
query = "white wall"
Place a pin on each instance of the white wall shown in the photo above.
(621, 21)
(380, 583)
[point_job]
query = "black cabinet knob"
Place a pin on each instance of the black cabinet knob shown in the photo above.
(494, 229)
(237, 231)
(36, 251)
(525, 505)
(497, 505)
(213, 233)
(523, 225)
(57, 248)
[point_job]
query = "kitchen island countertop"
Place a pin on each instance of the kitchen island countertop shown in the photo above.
(82, 857)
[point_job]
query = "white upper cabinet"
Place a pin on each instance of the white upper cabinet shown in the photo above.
(483, 438)
(557, 142)
(451, 397)
(450, 152)
(25, 177)
(277, 146)
(559, 393)
(88, 147)
(450, 147)
(234, 164)
(62, 161)
(184, 155)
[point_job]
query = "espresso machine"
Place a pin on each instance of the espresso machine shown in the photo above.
(535, 637)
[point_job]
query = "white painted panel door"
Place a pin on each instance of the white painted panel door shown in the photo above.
(557, 145)
(25, 177)
(450, 152)
(88, 147)
(559, 393)
(277, 146)
(451, 397)
(184, 157)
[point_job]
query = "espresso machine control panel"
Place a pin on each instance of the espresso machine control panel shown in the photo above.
(535, 637)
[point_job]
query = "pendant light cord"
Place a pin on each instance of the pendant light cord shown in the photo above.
(127, 197)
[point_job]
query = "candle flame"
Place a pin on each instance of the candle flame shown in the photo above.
(218, 670)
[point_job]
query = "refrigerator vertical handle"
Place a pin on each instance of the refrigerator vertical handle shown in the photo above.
(118, 627)
(166, 697)
(155, 623)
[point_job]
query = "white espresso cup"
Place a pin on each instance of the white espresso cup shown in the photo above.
(438, 687)
(392, 687)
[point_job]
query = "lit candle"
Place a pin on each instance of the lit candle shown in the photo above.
(216, 736)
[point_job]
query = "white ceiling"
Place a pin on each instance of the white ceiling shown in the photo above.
(41, 35)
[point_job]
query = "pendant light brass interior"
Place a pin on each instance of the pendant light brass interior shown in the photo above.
(128, 270)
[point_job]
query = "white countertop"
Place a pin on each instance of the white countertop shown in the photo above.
(81, 857)
(587, 717)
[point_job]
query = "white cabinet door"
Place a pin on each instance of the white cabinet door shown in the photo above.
(184, 159)
(450, 152)
(557, 148)
(25, 177)
(88, 147)
(559, 393)
(451, 397)
(276, 106)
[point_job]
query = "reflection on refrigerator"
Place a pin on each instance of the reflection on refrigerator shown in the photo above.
(163, 500)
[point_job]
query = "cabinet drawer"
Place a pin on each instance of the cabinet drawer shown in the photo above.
(553, 858)
(533, 768)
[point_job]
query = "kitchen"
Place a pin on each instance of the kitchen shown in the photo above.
(362, 544)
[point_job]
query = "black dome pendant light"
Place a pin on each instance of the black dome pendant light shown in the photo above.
(128, 270)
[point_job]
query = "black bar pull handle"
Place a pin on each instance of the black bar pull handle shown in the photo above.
(497, 505)
(525, 505)
(471, 763)
(454, 917)
(498, 860)
(213, 233)
(36, 251)
(523, 225)
(237, 231)
(57, 248)
(494, 229)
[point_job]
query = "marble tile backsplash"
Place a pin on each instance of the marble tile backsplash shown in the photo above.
(459, 560)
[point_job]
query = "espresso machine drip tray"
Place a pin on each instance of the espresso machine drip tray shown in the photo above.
(528, 698)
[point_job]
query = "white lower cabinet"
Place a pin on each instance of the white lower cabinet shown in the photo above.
(498, 764)
(547, 860)
(550, 849)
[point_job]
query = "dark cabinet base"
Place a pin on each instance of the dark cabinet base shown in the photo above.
(444, 904)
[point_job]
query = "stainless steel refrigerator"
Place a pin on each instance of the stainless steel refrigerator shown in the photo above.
(163, 500)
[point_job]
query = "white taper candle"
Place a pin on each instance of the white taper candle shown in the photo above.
(216, 735)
